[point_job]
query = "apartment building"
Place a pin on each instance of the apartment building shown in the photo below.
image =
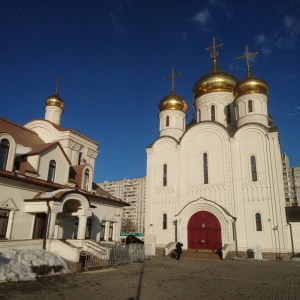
(132, 191)
(291, 180)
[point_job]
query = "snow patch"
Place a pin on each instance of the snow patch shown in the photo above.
(22, 265)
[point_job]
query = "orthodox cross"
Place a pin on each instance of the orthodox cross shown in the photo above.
(57, 80)
(247, 56)
(172, 77)
(214, 53)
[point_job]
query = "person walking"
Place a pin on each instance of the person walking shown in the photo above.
(178, 250)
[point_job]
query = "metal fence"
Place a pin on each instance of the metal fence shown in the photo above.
(97, 257)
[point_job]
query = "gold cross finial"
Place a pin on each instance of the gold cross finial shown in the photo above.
(247, 56)
(214, 53)
(173, 76)
(57, 80)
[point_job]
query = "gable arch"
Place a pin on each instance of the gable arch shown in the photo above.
(225, 219)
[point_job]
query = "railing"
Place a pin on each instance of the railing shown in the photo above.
(94, 257)
(96, 248)
(98, 257)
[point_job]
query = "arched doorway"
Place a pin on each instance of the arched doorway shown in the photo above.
(204, 231)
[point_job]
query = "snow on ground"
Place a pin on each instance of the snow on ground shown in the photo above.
(22, 265)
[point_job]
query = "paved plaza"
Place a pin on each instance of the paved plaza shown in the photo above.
(165, 278)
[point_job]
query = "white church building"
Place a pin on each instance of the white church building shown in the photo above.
(48, 199)
(217, 181)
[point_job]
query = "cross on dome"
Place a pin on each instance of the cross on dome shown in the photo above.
(173, 81)
(214, 53)
(247, 57)
(57, 80)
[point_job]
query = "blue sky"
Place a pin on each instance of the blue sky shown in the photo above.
(112, 57)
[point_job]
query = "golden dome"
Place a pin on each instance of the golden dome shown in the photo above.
(215, 81)
(250, 85)
(55, 100)
(172, 102)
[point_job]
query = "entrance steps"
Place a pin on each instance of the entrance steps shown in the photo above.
(207, 254)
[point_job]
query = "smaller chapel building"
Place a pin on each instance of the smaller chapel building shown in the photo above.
(48, 199)
(216, 183)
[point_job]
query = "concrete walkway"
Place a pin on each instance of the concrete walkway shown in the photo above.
(165, 278)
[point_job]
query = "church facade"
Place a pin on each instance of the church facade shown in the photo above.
(217, 181)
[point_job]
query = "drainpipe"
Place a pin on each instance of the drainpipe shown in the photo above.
(46, 227)
(175, 223)
(235, 237)
(292, 239)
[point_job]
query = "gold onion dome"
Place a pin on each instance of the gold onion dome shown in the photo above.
(215, 81)
(250, 84)
(172, 102)
(55, 100)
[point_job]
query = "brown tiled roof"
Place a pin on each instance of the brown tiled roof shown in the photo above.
(25, 166)
(22, 135)
(37, 149)
(75, 174)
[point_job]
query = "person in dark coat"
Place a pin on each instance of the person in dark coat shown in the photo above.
(179, 250)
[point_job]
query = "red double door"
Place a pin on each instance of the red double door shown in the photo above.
(204, 231)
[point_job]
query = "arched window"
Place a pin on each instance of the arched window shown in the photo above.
(164, 221)
(258, 222)
(228, 113)
(165, 170)
(253, 168)
(213, 113)
(167, 121)
(51, 171)
(86, 179)
(4, 149)
(250, 106)
(205, 168)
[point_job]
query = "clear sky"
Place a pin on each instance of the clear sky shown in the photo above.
(112, 57)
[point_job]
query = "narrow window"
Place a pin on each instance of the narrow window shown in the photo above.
(165, 169)
(199, 115)
(167, 121)
(88, 230)
(250, 106)
(102, 231)
(51, 171)
(79, 158)
(4, 148)
(236, 112)
(258, 222)
(253, 168)
(228, 113)
(110, 233)
(205, 168)
(213, 113)
(4, 215)
(86, 179)
(164, 221)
